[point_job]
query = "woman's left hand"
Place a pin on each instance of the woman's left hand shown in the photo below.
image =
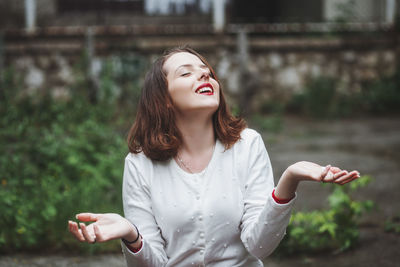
(309, 171)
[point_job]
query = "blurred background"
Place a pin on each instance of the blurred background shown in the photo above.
(318, 78)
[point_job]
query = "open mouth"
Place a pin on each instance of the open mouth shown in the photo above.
(205, 89)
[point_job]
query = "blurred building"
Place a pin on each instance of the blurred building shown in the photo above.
(263, 47)
(41, 13)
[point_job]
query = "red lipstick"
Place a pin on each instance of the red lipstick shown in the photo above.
(205, 89)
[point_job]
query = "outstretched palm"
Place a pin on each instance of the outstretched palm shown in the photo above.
(309, 171)
(105, 227)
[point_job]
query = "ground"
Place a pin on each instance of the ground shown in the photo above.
(369, 145)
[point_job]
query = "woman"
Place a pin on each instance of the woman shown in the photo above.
(198, 188)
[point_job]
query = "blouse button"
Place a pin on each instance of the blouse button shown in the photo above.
(201, 252)
(200, 218)
(201, 235)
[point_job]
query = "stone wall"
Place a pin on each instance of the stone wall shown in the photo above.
(280, 74)
(272, 66)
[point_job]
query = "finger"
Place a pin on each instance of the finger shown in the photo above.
(343, 178)
(350, 179)
(340, 174)
(335, 169)
(69, 225)
(347, 178)
(74, 229)
(87, 217)
(324, 173)
(88, 237)
(97, 233)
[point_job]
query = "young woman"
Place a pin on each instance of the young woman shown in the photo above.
(198, 187)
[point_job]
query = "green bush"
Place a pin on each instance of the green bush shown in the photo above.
(58, 158)
(392, 225)
(321, 99)
(272, 123)
(335, 229)
(382, 96)
(318, 98)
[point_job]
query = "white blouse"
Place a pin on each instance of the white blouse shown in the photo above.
(223, 216)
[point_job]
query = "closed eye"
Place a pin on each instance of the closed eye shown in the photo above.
(185, 74)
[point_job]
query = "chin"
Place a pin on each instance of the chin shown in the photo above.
(213, 106)
(211, 109)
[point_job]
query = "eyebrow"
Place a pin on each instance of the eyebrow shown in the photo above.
(203, 66)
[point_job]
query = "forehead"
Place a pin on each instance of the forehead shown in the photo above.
(181, 58)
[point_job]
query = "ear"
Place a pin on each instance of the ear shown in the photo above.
(169, 104)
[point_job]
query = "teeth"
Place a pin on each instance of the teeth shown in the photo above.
(204, 89)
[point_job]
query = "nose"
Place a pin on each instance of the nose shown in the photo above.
(204, 75)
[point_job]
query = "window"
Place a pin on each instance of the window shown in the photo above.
(132, 6)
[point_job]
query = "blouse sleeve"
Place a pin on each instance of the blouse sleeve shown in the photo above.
(137, 208)
(264, 221)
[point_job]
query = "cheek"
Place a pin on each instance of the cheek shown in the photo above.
(217, 88)
(174, 89)
(179, 93)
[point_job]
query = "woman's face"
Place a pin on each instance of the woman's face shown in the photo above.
(190, 85)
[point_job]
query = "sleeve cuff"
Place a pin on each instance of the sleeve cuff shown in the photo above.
(132, 250)
(281, 200)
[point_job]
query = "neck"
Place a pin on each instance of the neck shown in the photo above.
(197, 134)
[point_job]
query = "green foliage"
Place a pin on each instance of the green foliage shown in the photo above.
(59, 157)
(335, 229)
(321, 99)
(274, 107)
(382, 96)
(119, 82)
(392, 225)
(317, 99)
(271, 123)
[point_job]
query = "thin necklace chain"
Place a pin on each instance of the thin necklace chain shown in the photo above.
(186, 165)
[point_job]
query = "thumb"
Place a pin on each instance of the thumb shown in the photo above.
(335, 169)
(325, 171)
(87, 217)
(99, 236)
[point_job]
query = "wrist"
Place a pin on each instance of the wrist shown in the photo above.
(133, 240)
(132, 234)
(290, 174)
(287, 185)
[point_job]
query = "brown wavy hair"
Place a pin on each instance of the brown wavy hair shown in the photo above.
(155, 132)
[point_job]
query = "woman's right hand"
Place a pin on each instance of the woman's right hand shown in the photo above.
(104, 227)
